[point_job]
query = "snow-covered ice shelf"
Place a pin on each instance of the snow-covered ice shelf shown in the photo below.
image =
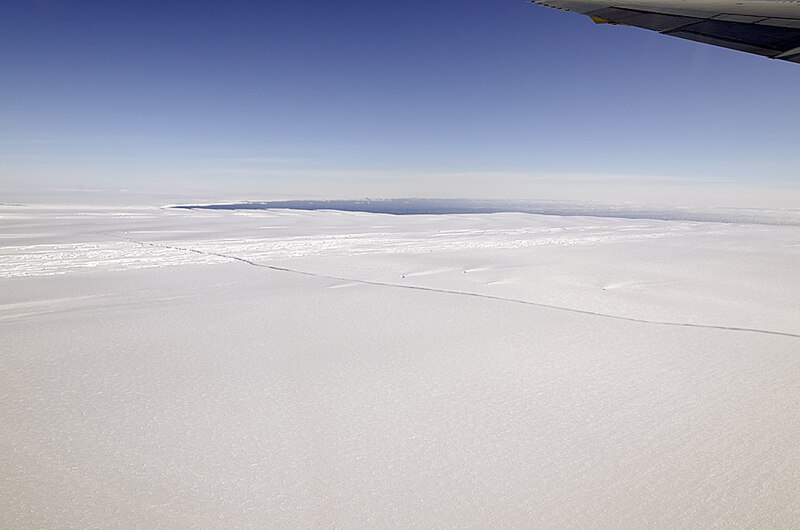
(177, 368)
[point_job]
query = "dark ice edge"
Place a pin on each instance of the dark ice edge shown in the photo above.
(465, 206)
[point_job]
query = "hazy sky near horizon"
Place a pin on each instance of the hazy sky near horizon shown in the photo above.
(496, 98)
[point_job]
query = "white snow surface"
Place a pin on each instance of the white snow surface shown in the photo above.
(168, 368)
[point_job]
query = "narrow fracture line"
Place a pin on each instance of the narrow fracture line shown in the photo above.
(474, 295)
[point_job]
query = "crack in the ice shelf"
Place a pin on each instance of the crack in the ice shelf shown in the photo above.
(470, 294)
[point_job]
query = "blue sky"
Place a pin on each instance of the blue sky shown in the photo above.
(495, 98)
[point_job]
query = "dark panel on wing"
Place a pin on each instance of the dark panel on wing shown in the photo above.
(708, 39)
(760, 36)
(738, 32)
(642, 19)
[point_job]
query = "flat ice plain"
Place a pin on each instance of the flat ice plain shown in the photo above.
(165, 368)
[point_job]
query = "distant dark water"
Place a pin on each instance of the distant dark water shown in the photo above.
(465, 206)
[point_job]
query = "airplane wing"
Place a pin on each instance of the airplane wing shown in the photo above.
(765, 27)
